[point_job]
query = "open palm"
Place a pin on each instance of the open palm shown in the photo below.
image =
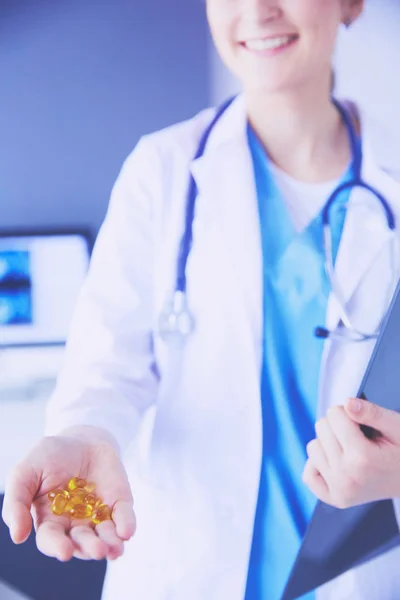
(50, 466)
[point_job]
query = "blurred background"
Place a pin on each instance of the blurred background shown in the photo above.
(82, 80)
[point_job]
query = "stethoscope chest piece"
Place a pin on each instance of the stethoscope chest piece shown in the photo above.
(175, 319)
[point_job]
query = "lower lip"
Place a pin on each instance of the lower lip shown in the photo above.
(271, 51)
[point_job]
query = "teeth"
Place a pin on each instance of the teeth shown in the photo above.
(270, 43)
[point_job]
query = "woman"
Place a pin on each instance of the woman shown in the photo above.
(214, 426)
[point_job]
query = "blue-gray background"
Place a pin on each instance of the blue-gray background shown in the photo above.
(81, 80)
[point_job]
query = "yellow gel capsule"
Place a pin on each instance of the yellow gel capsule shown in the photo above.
(90, 487)
(81, 511)
(79, 493)
(100, 514)
(76, 482)
(90, 499)
(59, 504)
(51, 495)
(77, 496)
(98, 503)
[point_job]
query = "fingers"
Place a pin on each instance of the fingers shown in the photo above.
(112, 478)
(19, 520)
(317, 457)
(81, 541)
(87, 543)
(21, 489)
(329, 442)
(387, 422)
(96, 544)
(81, 555)
(344, 467)
(124, 518)
(316, 483)
(107, 533)
(346, 431)
(106, 540)
(52, 540)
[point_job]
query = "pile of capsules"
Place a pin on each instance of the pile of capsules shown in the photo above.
(78, 501)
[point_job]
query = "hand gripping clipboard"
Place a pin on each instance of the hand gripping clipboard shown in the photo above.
(336, 539)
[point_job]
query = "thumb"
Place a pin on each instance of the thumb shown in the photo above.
(387, 422)
(21, 488)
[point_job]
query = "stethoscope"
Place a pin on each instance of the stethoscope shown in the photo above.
(176, 319)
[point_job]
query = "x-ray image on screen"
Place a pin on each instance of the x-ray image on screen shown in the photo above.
(15, 288)
(41, 275)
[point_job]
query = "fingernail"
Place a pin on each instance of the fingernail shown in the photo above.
(355, 405)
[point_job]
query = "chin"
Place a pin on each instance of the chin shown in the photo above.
(268, 87)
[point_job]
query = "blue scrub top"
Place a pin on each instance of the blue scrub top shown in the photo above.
(296, 290)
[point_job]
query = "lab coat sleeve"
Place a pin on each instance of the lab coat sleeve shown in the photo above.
(109, 377)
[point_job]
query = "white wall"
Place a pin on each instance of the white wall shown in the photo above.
(366, 63)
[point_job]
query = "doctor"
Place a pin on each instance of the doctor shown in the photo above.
(205, 417)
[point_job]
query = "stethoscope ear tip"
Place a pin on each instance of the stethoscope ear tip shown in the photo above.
(321, 333)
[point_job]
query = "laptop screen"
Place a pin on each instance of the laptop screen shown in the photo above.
(40, 278)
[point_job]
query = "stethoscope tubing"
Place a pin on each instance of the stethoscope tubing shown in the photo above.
(176, 317)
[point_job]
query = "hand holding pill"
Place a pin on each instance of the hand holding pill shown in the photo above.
(75, 489)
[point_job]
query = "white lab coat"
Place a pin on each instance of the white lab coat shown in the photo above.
(196, 408)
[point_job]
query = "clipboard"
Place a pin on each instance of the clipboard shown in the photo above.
(340, 539)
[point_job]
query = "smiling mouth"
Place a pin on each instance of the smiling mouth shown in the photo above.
(271, 43)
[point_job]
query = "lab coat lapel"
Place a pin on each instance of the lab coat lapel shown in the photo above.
(365, 275)
(364, 236)
(365, 233)
(225, 179)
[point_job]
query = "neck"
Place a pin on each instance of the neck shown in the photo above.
(302, 132)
